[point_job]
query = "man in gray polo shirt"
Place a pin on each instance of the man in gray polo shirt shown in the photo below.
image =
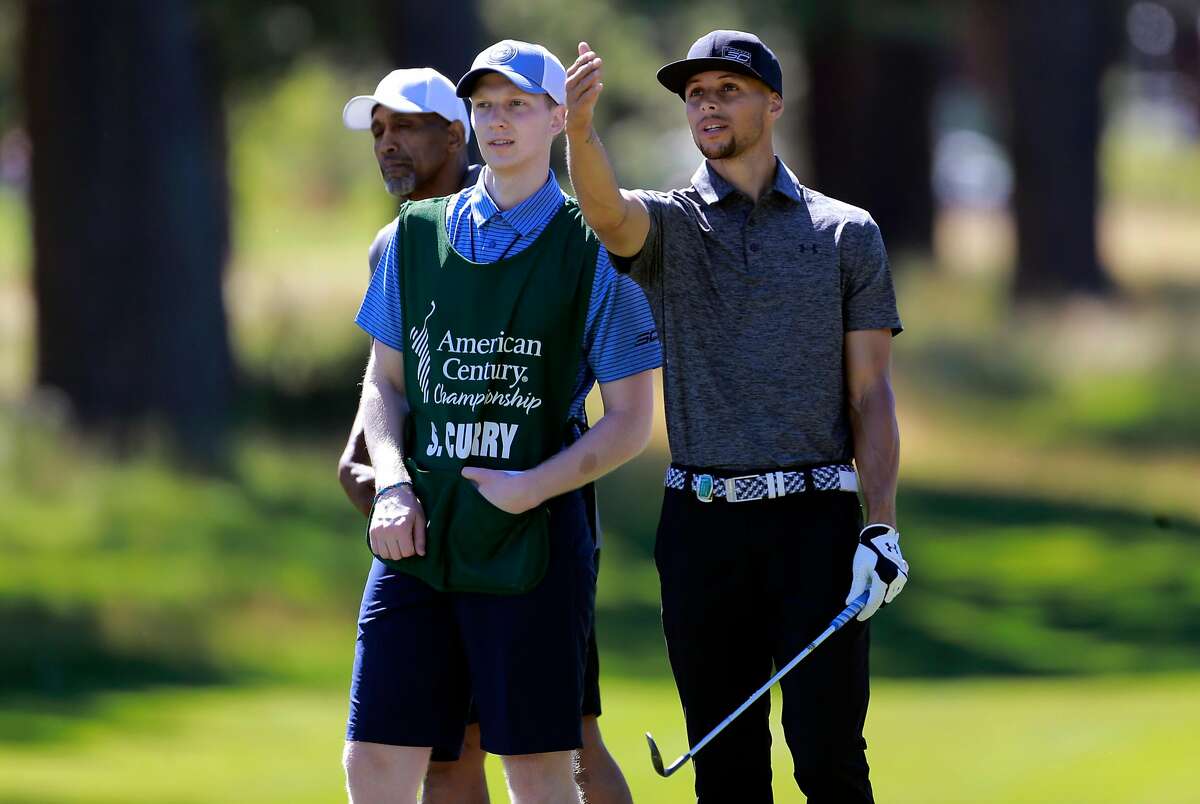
(776, 310)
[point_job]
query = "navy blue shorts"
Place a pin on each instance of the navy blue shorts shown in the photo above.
(422, 656)
(591, 687)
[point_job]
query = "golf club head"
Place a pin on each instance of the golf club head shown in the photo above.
(852, 609)
(656, 759)
(655, 756)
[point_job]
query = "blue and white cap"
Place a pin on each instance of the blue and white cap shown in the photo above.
(531, 67)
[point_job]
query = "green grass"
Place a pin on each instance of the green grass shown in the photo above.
(1115, 740)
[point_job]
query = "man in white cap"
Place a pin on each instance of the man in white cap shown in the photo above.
(493, 313)
(421, 135)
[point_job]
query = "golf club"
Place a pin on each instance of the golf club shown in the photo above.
(849, 612)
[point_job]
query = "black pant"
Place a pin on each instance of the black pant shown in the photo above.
(746, 586)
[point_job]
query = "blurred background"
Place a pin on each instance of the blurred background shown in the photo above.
(184, 226)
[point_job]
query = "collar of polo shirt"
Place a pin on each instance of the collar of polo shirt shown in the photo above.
(525, 216)
(713, 188)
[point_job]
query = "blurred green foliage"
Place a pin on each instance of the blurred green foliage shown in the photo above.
(14, 235)
(1123, 376)
(297, 173)
(1150, 171)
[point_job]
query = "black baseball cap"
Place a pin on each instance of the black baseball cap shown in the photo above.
(735, 51)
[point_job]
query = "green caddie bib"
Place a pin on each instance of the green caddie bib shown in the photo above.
(491, 360)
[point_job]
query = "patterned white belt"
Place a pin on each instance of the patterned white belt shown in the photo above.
(832, 477)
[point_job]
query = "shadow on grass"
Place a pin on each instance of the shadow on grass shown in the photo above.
(958, 368)
(629, 635)
(64, 653)
(1002, 584)
(56, 662)
(968, 511)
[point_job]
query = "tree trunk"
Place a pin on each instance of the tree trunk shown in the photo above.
(416, 34)
(869, 127)
(1056, 52)
(129, 214)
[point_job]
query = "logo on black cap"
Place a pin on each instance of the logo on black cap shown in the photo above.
(501, 53)
(746, 50)
(737, 55)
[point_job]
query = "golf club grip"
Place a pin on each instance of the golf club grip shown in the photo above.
(848, 613)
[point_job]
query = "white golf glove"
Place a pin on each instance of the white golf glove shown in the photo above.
(878, 567)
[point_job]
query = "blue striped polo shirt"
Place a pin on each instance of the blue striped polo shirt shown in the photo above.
(619, 339)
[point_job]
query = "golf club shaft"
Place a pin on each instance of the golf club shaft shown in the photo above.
(847, 614)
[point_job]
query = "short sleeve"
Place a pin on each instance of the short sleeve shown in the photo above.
(645, 267)
(620, 339)
(868, 296)
(379, 314)
(379, 245)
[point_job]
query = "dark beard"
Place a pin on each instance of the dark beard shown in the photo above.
(719, 151)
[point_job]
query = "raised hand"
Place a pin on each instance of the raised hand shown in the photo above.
(584, 85)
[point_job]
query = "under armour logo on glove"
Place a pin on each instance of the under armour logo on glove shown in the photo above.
(878, 567)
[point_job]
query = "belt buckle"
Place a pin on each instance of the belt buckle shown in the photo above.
(704, 488)
(731, 489)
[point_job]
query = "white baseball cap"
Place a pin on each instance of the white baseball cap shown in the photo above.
(414, 91)
(531, 67)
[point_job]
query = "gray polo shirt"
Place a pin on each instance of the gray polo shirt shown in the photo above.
(752, 303)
